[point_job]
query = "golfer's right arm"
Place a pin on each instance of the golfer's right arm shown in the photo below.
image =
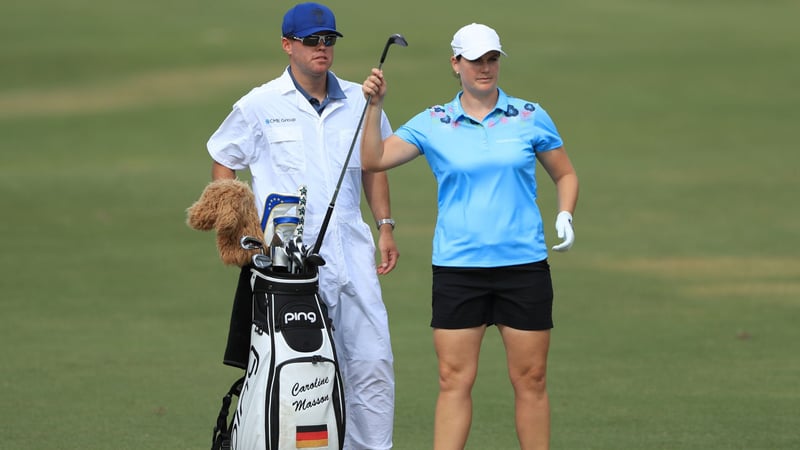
(376, 154)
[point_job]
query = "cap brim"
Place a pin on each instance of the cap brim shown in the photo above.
(315, 30)
(474, 54)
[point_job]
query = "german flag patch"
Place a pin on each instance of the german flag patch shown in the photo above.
(312, 436)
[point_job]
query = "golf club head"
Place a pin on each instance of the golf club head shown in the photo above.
(280, 260)
(251, 243)
(315, 260)
(294, 249)
(393, 39)
(261, 261)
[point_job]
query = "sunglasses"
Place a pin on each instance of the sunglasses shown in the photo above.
(313, 40)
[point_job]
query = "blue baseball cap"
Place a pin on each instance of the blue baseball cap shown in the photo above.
(305, 19)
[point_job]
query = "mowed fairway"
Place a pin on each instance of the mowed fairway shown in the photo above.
(676, 311)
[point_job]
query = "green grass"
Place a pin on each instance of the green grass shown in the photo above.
(676, 311)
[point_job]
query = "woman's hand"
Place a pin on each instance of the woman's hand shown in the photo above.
(374, 87)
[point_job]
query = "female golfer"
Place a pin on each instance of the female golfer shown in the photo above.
(489, 254)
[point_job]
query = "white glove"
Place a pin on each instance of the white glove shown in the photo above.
(565, 231)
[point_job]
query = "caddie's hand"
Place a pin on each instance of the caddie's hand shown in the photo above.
(388, 249)
(374, 86)
(565, 231)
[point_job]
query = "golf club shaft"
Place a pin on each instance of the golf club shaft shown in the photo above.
(329, 212)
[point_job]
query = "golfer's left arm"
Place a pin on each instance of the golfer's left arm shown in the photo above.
(559, 167)
(376, 191)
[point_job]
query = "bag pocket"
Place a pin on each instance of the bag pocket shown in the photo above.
(309, 413)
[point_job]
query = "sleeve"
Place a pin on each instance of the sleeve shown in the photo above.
(413, 131)
(234, 143)
(547, 137)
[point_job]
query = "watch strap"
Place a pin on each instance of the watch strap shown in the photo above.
(382, 222)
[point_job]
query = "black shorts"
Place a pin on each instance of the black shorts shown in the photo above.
(519, 297)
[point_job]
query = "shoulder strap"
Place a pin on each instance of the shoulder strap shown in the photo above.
(221, 439)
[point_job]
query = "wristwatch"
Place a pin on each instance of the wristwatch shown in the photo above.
(382, 222)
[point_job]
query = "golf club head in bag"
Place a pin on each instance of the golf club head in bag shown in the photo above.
(283, 221)
(252, 243)
(260, 260)
(296, 257)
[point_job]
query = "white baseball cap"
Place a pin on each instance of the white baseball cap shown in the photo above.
(475, 40)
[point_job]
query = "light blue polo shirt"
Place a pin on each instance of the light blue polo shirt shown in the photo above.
(485, 171)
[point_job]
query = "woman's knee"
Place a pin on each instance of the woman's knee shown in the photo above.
(532, 380)
(456, 378)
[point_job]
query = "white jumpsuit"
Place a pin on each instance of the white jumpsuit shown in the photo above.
(275, 133)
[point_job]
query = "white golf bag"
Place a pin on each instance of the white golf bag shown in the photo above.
(292, 393)
(291, 396)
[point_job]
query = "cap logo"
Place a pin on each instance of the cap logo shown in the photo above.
(319, 16)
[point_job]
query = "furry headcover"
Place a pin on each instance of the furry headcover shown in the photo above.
(229, 207)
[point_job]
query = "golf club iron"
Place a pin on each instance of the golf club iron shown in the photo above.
(295, 251)
(252, 243)
(262, 261)
(393, 39)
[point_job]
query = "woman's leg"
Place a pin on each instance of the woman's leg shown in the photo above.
(526, 352)
(458, 352)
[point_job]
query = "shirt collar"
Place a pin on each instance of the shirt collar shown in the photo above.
(458, 111)
(335, 91)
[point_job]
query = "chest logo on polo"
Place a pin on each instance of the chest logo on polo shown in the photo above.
(280, 120)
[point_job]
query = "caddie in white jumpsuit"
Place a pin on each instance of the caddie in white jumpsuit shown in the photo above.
(296, 130)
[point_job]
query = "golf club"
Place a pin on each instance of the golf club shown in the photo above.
(314, 260)
(261, 261)
(252, 243)
(301, 210)
(393, 39)
(294, 250)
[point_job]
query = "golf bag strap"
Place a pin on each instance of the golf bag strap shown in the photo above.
(221, 438)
